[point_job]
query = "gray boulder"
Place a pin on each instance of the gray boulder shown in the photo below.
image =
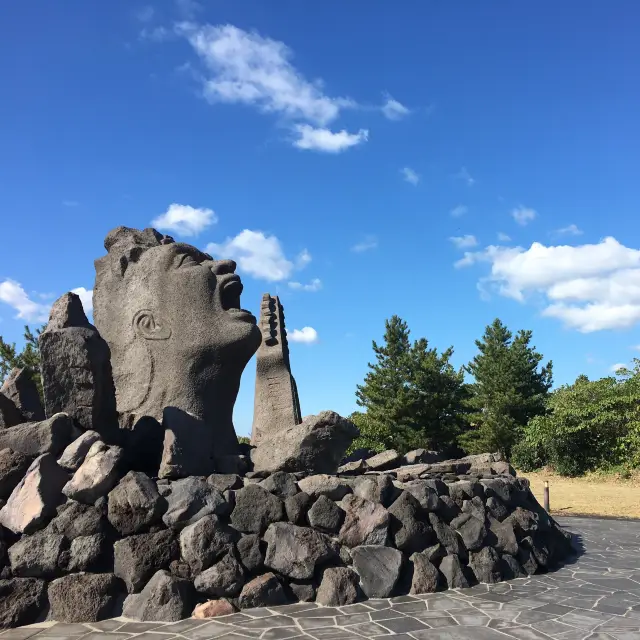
(189, 500)
(83, 597)
(224, 481)
(137, 558)
(37, 555)
(281, 484)
(20, 388)
(527, 561)
(355, 468)
(475, 507)
(37, 438)
(385, 460)
(86, 552)
(501, 536)
(447, 536)
(76, 369)
(453, 572)
(224, 579)
(365, 522)
(35, 497)
(263, 591)
(410, 531)
(10, 415)
(426, 496)
(204, 541)
(421, 456)
(497, 508)
(97, 475)
(75, 519)
(425, 578)
(250, 552)
(325, 515)
(296, 508)
(164, 598)
(296, 551)
(434, 553)
(22, 601)
(303, 590)
(75, 453)
(317, 445)
(326, 485)
(13, 467)
(135, 504)
(255, 509)
(340, 586)
(376, 488)
(511, 568)
(485, 565)
(471, 530)
(379, 569)
(523, 521)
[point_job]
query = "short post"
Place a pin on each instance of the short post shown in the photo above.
(546, 496)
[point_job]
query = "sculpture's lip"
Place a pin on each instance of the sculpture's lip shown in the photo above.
(242, 314)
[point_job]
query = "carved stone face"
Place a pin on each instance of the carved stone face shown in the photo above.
(194, 305)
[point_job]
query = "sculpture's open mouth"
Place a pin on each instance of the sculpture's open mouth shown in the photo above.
(231, 291)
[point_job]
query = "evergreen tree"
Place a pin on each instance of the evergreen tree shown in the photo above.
(28, 358)
(508, 389)
(413, 395)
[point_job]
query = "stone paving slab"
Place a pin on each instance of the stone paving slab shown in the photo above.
(597, 597)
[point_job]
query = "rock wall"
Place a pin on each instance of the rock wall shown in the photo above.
(84, 538)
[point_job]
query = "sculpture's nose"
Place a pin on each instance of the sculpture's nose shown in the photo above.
(223, 267)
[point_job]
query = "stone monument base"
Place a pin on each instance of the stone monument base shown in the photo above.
(84, 538)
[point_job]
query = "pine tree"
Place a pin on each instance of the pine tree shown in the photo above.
(28, 358)
(508, 389)
(413, 395)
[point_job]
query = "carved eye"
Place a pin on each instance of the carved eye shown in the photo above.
(186, 260)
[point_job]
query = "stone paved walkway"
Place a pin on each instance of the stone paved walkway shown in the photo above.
(596, 598)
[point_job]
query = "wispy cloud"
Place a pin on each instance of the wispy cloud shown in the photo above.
(458, 211)
(188, 8)
(156, 33)
(322, 139)
(503, 237)
(314, 285)
(571, 230)
(185, 220)
(410, 176)
(615, 368)
(303, 259)
(70, 203)
(394, 110)
(464, 242)
(466, 177)
(524, 215)
(306, 335)
(145, 14)
(369, 242)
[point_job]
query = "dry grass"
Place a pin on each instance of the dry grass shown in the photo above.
(588, 495)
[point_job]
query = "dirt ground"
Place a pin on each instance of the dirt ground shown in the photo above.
(588, 495)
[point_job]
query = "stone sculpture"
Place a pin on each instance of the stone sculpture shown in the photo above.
(276, 405)
(179, 342)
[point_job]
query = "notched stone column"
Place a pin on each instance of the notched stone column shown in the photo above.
(276, 404)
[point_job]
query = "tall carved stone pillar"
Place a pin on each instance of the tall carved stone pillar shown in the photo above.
(276, 404)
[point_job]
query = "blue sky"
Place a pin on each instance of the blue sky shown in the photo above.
(449, 162)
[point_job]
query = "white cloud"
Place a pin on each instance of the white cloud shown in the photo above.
(464, 242)
(503, 237)
(314, 285)
(589, 288)
(70, 203)
(616, 367)
(523, 215)
(571, 230)
(257, 254)
(13, 294)
(321, 139)
(184, 220)
(466, 177)
(146, 14)
(306, 335)
(394, 110)
(303, 259)
(86, 297)
(188, 8)
(250, 69)
(458, 211)
(369, 242)
(410, 175)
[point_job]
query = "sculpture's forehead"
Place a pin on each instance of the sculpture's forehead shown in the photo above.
(166, 252)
